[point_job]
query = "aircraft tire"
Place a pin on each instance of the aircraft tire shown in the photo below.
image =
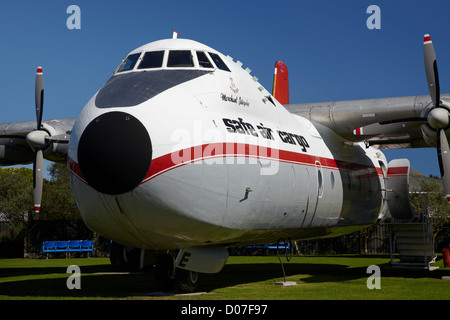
(185, 280)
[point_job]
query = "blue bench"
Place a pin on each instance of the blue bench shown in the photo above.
(68, 246)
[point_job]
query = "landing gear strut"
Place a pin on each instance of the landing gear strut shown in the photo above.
(169, 278)
(124, 258)
(164, 273)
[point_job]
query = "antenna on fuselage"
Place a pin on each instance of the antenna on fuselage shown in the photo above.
(175, 34)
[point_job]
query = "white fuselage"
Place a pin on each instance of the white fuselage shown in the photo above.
(229, 165)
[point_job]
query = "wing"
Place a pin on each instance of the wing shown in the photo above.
(415, 121)
(388, 123)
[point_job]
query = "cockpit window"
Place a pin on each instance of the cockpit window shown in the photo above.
(219, 62)
(180, 59)
(153, 59)
(203, 60)
(129, 62)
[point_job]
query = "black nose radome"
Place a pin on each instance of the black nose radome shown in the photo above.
(114, 153)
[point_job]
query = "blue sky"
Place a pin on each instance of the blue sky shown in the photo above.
(330, 53)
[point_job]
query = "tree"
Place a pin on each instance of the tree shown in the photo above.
(431, 200)
(59, 216)
(16, 201)
(58, 202)
(16, 197)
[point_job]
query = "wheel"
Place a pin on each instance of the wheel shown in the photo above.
(164, 273)
(185, 280)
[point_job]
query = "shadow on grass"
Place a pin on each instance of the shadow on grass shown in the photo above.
(237, 274)
(14, 272)
(96, 281)
(99, 282)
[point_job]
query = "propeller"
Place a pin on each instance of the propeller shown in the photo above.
(438, 117)
(37, 141)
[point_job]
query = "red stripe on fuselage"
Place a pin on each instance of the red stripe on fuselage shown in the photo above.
(75, 168)
(186, 156)
(217, 150)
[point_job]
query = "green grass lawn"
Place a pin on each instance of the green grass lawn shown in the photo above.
(341, 277)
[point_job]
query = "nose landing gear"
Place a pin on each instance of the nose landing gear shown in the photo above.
(167, 277)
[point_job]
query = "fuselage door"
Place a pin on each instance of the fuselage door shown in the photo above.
(383, 185)
(315, 192)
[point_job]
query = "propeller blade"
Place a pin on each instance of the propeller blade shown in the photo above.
(38, 165)
(431, 70)
(38, 178)
(39, 97)
(444, 161)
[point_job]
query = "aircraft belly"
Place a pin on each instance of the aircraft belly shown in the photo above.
(101, 214)
(144, 221)
(193, 197)
(235, 196)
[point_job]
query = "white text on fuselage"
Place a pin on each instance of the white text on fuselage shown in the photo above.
(242, 127)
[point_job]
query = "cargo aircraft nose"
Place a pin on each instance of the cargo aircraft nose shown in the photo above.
(114, 153)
